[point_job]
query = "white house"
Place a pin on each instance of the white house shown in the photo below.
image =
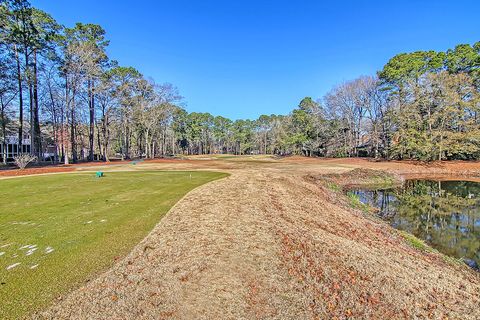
(12, 147)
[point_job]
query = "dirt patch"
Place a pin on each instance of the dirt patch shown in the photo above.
(35, 170)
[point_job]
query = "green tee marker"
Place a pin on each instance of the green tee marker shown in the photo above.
(99, 174)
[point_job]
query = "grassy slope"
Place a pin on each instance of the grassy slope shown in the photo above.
(88, 222)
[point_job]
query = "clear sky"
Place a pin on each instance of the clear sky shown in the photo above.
(245, 58)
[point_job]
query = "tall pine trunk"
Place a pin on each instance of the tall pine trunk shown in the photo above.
(20, 100)
(72, 128)
(36, 118)
(54, 123)
(105, 135)
(4, 132)
(30, 96)
(91, 107)
(65, 123)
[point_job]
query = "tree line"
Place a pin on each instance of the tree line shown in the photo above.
(59, 87)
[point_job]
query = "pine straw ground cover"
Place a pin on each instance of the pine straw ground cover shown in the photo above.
(56, 231)
(270, 242)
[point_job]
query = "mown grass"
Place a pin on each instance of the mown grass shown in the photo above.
(76, 226)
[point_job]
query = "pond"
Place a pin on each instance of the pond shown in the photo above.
(445, 214)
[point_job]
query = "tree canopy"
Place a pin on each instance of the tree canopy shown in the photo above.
(60, 88)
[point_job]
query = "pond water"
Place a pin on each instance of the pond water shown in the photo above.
(445, 214)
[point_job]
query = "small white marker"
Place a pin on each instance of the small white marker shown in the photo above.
(13, 265)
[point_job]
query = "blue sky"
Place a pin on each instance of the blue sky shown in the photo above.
(241, 59)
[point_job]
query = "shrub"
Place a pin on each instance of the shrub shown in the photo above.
(23, 160)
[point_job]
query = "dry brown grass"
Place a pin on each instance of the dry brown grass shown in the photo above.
(269, 243)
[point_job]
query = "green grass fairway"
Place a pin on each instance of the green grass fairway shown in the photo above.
(56, 231)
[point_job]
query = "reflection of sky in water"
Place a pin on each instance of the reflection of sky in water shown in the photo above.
(446, 214)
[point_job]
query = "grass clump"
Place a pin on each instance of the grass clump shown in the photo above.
(56, 231)
(453, 261)
(333, 186)
(415, 242)
(383, 181)
(354, 201)
(422, 246)
(368, 178)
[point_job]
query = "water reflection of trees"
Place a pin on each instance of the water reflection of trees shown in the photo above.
(444, 213)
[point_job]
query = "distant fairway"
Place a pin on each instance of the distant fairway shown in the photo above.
(56, 231)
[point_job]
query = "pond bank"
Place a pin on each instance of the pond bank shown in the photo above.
(443, 213)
